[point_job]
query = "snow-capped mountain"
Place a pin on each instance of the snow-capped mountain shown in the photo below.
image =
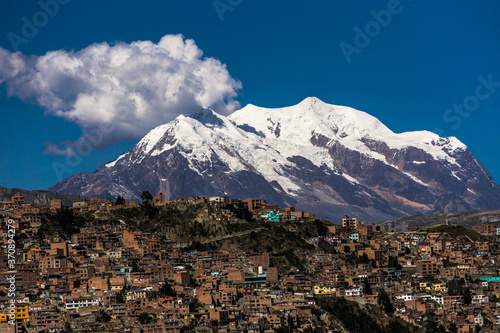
(332, 160)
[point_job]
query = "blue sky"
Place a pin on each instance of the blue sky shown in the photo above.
(409, 71)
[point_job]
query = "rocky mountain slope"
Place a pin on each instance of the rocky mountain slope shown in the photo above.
(463, 218)
(41, 197)
(332, 160)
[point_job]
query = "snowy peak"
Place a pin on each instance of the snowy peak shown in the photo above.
(349, 126)
(286, 132)
(297, 124)
(316, 156)
(149, 141)
(209, 118)
(311, 114)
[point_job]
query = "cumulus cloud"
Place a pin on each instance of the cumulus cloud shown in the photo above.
(129, 87)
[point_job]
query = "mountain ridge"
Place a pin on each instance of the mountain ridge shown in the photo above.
(42, 197)
(319, 157)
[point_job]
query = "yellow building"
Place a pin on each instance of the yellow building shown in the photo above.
(135, 295)
(21, 315)
(324, 290)
(7, 204)
(440, 287)
(424, 286)
(116, 287)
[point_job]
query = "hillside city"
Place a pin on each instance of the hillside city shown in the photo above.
(107, 273)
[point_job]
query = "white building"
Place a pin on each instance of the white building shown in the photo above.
(407, 297)
(354, 292)
(75, 303)
(218, 199)
(438, 299)
(480, 299)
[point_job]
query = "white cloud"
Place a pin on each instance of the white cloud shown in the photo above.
(134, 87)
(61, 149)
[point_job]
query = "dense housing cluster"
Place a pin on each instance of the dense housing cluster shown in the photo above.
(109, 277)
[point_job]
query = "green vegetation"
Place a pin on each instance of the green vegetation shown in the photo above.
(136, 268)
(120, 297)
(166, 289)
(457, 287)
(463, 218)
(394, 263)
(67, 327)
(147, 206)
(457, 231)
(353, 317)
(168, 220)
(102, 316)
(120, 200)
(145, 318)
(240, 211)
(367, 288)
(192, 227)
(63, 224)
(384, 300)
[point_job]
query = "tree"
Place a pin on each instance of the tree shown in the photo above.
(32, 296)
(290, 322)
(146, 196)
(166, 289)
(136, 268)
(145, 318)
(432, 326)
(240, 211)
(396, 326)
(282, 329)
(367, 289)
(384, 300)
(453, 328)
(102, 316)
(364, 258)
(120, 297)
(149, 209)
(63, 222)
(394, 263)
(120, 200)
(350, 314)
(67, 327)
(456, 287)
